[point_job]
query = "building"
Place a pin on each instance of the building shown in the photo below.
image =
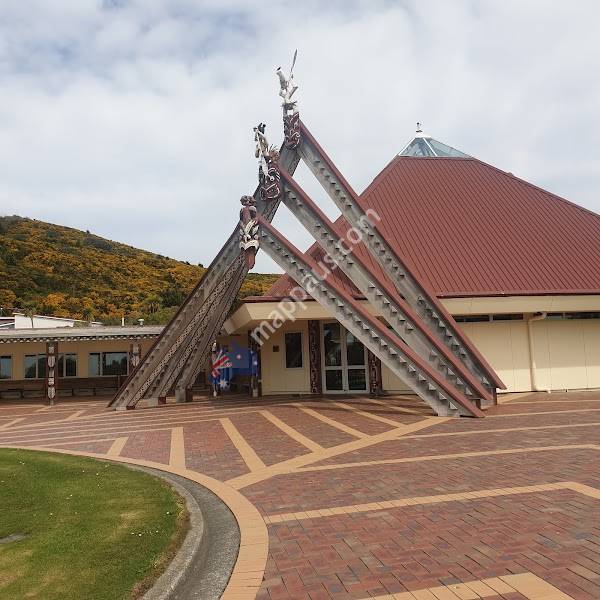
(518, 267)
(90, 360)
(20, 320)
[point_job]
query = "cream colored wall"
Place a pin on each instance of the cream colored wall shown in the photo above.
(391, 382)
(505, 345)
(18, 351)
(567, 353)
(276, 379)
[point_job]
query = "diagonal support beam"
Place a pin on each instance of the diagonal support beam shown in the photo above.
(422, 299)
(177, 336)
(444, 398)
(382, 296)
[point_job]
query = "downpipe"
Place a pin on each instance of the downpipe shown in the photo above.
(532, 365)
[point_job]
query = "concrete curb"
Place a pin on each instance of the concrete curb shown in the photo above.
(249, 568)
(168, 582)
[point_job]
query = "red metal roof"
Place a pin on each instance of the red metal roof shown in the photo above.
(470, 229)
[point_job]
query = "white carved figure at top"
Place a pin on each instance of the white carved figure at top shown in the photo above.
(262, 147)
(287, 88)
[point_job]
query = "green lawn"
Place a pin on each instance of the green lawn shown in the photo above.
(94, 530)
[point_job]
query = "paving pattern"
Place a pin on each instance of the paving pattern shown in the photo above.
(354, 498)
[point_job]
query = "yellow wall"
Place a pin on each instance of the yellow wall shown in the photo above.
(504, 344)
(567, 354)
(391, 382)
(276, 379)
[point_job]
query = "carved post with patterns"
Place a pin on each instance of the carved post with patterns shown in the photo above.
(255, 377)
(375, 382)
(314, 353)
(50, 388)
(135, 354)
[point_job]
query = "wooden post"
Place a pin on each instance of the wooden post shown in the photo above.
(314, 353)
(135, 354)
(51, 387)
(255, 390)
(375, 381)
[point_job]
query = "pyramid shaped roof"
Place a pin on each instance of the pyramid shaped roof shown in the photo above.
(470, 229)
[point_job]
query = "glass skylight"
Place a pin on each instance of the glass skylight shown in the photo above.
(427, 146)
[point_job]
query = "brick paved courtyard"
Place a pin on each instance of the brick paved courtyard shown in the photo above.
(361, 498)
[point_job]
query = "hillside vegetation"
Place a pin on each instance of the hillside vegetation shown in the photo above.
(59, 271)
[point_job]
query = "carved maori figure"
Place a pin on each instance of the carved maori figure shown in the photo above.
(248, 230)
(268, 165)
(291, 129)
(262, 148)
(287, 88)
(291, 117)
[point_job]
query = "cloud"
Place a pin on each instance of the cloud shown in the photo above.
(133, 119)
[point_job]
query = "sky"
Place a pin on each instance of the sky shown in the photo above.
(133, 118)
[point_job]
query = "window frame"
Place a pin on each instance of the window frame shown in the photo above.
(285, 352)
(62, 372)
(39, 358)
(10, 359)
(101, 363)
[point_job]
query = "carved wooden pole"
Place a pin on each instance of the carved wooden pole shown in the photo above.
(50, 390)
(314, 353)
(375, 381)
(255, 372)
(135, 355)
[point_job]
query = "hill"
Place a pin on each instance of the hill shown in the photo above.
(59, 271)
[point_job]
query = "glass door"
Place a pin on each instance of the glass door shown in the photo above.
(333, 375)
(356, 376)
(344, 360)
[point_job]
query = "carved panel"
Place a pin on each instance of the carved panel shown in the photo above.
(135, 354)
(314, 353)
(255, 380)
(291, 130)
(375, 383)
(270, 184)
(51, 371)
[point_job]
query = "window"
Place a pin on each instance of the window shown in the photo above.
(5, 367)
(35, 366)
(94, 364)
(108, 363)
(114, 363)
(508, 317)
(573, 315)
(67, 365)
(471, 318)
(293, 350)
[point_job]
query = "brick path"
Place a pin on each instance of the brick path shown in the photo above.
(359, 498)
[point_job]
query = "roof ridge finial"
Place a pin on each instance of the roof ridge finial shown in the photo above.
(419, 127)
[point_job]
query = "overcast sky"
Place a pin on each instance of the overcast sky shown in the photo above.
(133, 118)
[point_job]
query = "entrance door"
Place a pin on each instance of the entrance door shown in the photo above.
(344, 360)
